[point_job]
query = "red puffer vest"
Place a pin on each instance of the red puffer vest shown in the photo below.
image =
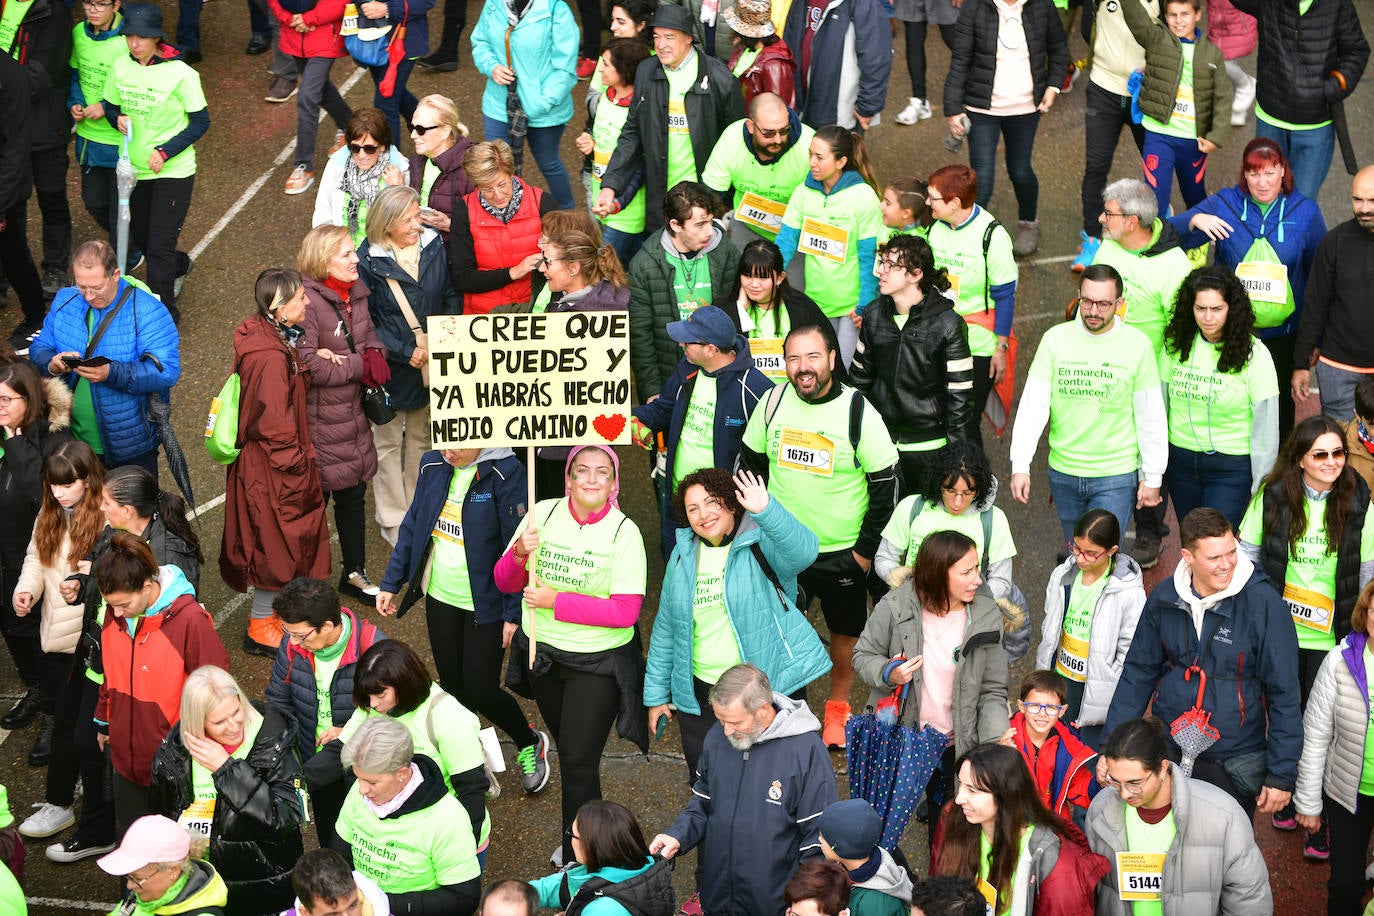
(498, 246)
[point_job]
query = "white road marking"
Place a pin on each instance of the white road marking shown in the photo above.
(68, 904)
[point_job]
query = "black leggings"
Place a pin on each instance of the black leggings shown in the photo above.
(916, 53)
(580, 709)
(350, 521)
(74, 749)
(468, 657)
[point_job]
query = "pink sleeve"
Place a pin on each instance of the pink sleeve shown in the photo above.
(617, 611)
(510, 575)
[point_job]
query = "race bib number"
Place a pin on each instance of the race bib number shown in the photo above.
(1311, 610)
(767, 354)
(811, 453)
(677, 117)
(823, 240)
(199, 816)
(600, 159)
(1072, 659)
(760, 213)
(1140, 875)
(449, 527)
(1264, 281)
(1185, 111)
(989, 895)
(953, 294)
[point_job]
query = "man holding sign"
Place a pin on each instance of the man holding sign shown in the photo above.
(704, 407)
(830, 462)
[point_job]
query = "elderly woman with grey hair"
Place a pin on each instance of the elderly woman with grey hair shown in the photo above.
(405, 266)
(397, 827)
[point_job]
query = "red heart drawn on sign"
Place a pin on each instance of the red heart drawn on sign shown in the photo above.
(610, 427)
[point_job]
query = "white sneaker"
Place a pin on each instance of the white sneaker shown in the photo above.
(46, 821)
(915, 110)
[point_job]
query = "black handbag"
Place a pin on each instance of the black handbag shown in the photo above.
(376, 399)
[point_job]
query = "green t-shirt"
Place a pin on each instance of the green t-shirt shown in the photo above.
(714, 647)
(691, 281)
(448, 575)
(92, 60)
(85, 421)
(1211, 411)
(1309, 586)
(1153, 839)
(1150, 283)
(959, 250)
(602, 559)
(1093, 381)
(812, 466)
(682, 162)
(427, 179)
(985, 868)
(326, 665)
(908, 534)
(606, 129)
(157, 99)
(11, 15)
(1071, 658)
(766, 329)
(696, 443)
(761, 189)
(1183, 120)
(830, 227)
(199, 816)
(1267, 118)
(1367, 770)
(417, 852)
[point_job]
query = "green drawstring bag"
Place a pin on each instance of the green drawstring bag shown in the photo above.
(222, 423)
(1266, 280)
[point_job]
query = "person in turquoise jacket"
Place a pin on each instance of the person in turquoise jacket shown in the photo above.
(728, 598)
(614, 874)
(539, 58)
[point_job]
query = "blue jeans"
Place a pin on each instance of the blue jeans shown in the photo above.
(1337, 390)
(626, 244)
(1216, 480)
(402, 101)
(1309, 153)
(1165, 156)
(1073, 496)
(543, 142)
(1018, 131)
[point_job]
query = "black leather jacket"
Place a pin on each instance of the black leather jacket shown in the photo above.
(920, 377)
(255, 837)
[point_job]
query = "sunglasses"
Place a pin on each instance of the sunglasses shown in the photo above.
(422, 129)
(1325, 454)
(367, 149)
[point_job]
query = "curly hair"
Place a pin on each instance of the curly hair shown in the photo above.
(1286, 477)
(955, 462)
(1236, 339)
(717, 483)
(913, 253)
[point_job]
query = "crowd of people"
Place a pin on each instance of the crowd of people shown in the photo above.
(814, 354)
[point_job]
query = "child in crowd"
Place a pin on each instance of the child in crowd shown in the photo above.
(509, 898)
(1186, 97)
(905, 208)
(1060, 764)
(946, 895)
(850, 831)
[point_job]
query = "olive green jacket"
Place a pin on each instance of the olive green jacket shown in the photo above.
(1212, 91)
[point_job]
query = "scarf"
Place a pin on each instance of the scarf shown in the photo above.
(1366, 438)
(342, 288)
(506, 213)
(361, 186)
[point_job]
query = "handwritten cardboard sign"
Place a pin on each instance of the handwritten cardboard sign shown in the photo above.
(557, 378)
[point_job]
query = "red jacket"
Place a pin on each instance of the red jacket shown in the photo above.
(323, 40)
(774, 70)
(1062, 767)
(1069, 888)
(499, 246)
(144, 674)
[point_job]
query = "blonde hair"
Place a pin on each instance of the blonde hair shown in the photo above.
(447, 110)
(318, 248)
(487, 161)
(206, 688)
(597, 260)
(389, 206)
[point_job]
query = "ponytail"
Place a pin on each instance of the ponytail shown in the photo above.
(862, 165)
(849, 145)
(126, 566)
(172, 509)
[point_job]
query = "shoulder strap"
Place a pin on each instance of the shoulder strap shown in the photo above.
(774, 399)
(404, 305)
(105, 322)
(856, 423)
(986, 517)
(992, 227)
(917, 504)
(348, 334)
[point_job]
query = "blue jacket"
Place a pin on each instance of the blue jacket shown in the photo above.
(144, 350)
(1293, 226)
(543, 54)
(739, 387)
(415, 15)
(492, 510)
(1249, 651)
(851, 58)
(778, 639)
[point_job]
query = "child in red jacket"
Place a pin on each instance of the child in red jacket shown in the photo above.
(1060, 764)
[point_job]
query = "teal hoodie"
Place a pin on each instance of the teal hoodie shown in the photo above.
(174, 584)
(548, 888)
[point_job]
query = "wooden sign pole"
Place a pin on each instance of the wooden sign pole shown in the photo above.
(531, 458)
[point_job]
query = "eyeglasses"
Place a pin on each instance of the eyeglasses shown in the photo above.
(885, 265)
(300, 638)
(1097, 305)
(422, 129)
(1043, 709)
(96, 4)
(958, 494)
(1092, 556)
(767, 134)
(501, 187)
(139, 882)
(1131, 787)
(1109, 214)
(545, 261)
(367, 149)
(934, 199)
(7, 400)
(1324, 455)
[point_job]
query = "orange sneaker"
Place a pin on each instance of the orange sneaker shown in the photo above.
(836, 714)
(263, 637)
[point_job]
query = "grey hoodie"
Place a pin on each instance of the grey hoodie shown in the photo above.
(890, 880)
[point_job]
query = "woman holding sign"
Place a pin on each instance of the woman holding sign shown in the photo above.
(228, 772)
(1177, 843)
(764, 307)
(580, 564)
(833, 221)
(1310, 529)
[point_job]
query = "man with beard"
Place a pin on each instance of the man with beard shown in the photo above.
(1096, 383)
(830, 461)
(763, 780)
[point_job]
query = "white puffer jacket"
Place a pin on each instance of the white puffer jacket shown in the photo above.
(59, 626)
(1113, 628)
(1333, 730)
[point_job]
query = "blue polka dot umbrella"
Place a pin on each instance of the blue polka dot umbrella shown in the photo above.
(889, 766)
